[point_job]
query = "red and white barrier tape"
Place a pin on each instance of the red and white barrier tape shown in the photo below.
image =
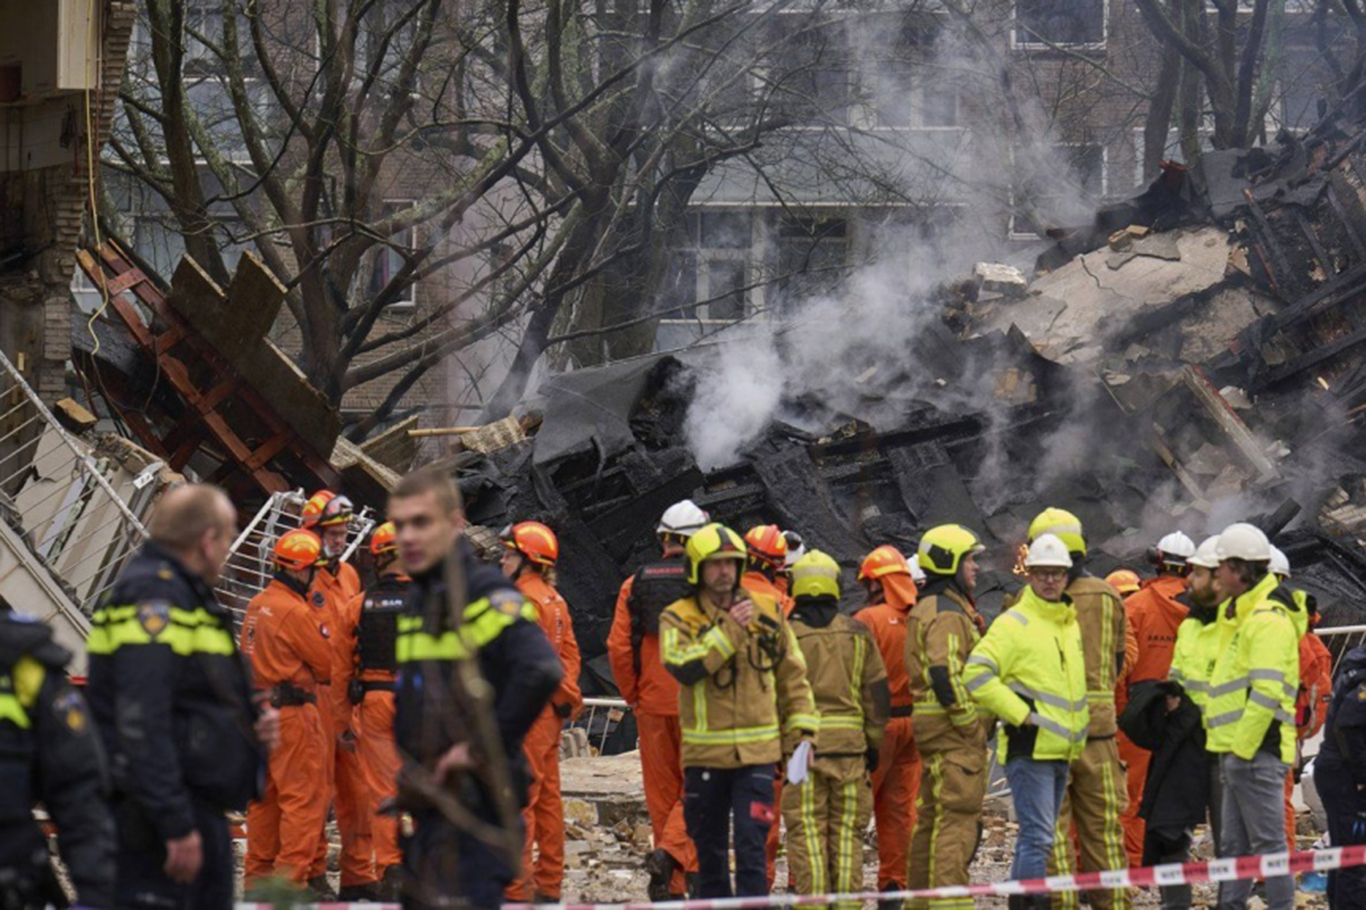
(1218, 870)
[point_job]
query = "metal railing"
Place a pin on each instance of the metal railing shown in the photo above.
(1340, 640)
(600, 721)
(56, 493)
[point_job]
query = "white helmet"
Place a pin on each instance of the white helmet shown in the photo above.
(917, 574)
(1244, 541)
(1048, 551)
(1280, 563)
(1175, 548)
(796, 549)
(682, 518)
(1206, 555)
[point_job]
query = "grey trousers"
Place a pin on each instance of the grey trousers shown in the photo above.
(1254, 824)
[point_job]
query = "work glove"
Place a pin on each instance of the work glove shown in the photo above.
(870, 758)
(799, 763)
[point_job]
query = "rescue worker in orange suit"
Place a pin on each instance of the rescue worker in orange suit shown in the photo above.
(826, 816)
(765, 572)
(1153, 615)
(1316, 680)
(282, 637)
(363, 690)
(529, 560)
(652, 693)
(892, 592)
(1096, 793)
(949, 732)
(330, 515)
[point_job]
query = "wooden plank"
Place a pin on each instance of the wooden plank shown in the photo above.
(1311, 358)
(268, 450)
(1232, 425)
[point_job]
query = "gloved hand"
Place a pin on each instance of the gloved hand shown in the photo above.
(870, 758)
(799, 763)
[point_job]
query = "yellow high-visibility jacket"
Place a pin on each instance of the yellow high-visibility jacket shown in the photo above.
(1197, 648)
(743, 698)
(1256, 677)
(1030, 671)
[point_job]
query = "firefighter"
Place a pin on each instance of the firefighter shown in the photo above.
(1250, 718)
(51, 755)
(498, 631)
(1096, 794)
(652, 693)
(1153, 615)
(363, 690)
(796, 549)
(529, 560)
(289, 654)
(1029, 671)
(1125, 581)
(949, 733)
(887, 578)
(827, 815)
(1340, 775)
(163, 663)
(337, 581)
(744, 703)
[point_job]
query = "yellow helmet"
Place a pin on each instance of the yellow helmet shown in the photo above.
(1061, 524)
(713, 541)
(942, 548)
(815, 575)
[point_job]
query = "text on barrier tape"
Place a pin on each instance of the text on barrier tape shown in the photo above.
(1217, 870)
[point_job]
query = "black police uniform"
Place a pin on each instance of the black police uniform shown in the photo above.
(171, 697)
(49, 753)
(1340, 772)
(445, 867)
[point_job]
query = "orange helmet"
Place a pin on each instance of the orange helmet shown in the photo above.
(885, 560)
(534, 541)
(297, 549)
(767, 544)
(325, 508)
(1125, 581)
(382, 540)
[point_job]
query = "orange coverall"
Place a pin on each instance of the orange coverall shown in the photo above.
(654, 697)
(759, 583)
(544, 814)
(283, 638)
(1311, 709)
(372, 720)
(897, 778)
(346, 783)
(1153, 616)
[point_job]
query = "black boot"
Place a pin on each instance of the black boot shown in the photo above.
(319, 886)
(694, 885)
(391, 884)
(892, 904)
(357, 893)
(660, 866)
(1015, 901)
(1038, 901)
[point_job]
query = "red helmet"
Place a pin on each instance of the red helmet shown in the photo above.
(325, 508)
(382, 540)
(767, 544)
(297, 549)
(534, 541)
(885, 560)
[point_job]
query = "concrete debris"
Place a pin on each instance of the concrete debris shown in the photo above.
(997, 278)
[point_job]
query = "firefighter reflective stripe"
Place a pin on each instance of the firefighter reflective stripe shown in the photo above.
(733, 735)
(798, 722)
(841, 722)
(714, 638)
(482, 624)
(811, 831)
(186, 632)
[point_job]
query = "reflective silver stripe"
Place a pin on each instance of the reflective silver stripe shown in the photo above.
(985, 662)
(1284, 717)
(1194, 685)
(1057, 729)
(1219, 720)
(1228, 688)
(978, 682)
(1048, 698)
(1016, 614)
(1266, 701)
(1273, 675)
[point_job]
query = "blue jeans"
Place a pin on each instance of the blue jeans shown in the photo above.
(1037, 788)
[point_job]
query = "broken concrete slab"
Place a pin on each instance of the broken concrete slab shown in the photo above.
(998, 278)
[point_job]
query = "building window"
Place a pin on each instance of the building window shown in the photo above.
(813, 254)
(1063, 189)
(808, 62)
(707, 286)
(204, 32)
(1063, 23)
(1171, 151)
(389, 258)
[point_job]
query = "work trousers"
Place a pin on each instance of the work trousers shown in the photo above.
(1135, 761)
(447, 868)
(661, 765)
(953, 784)
(142, 883)
(1254, 824)
(1346, 807)
(542, 873)
(773, 841)
(895, 785)
(825, 818)
(379, 758)
(716, 798)
(1169, 845)
(285, 826)
(1037, 789)
(1096, 796)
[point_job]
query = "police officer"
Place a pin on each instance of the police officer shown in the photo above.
(498, 628)
(171, 698)
(1340, 775)
(50, 754)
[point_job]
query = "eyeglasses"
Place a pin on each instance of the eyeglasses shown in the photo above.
(1048, 574)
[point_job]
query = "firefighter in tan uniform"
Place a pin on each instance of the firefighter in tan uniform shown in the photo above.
(1097, 791)
(951, 737)
(827, 815)
(743, 703)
